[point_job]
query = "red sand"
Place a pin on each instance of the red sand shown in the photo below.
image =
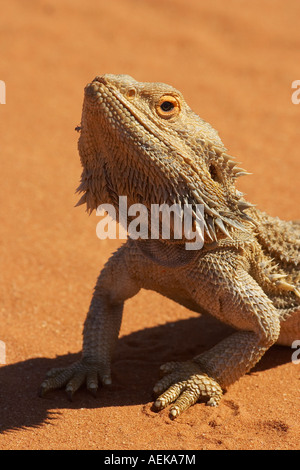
(235, 62)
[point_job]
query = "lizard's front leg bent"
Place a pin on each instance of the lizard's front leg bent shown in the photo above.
(242, 303)
(100, 333)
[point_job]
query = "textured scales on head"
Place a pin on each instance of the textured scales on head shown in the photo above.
(142, 140)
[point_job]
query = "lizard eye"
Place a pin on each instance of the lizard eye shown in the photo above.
(167, 107)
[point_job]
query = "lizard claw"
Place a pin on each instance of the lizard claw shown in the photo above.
(182, 384)
(74, 376)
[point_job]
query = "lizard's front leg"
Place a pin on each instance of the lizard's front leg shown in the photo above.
(240, 302)
(101, 330)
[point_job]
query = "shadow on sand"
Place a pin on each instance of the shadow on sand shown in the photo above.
(135, 371)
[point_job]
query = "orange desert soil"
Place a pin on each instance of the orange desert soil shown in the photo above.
(235, 62)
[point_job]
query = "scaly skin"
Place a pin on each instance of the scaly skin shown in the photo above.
(141, 140)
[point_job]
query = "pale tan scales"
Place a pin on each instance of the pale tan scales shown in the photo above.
(142, 140)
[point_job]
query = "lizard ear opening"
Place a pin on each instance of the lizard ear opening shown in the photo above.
(215, 173)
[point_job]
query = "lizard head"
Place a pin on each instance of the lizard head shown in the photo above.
(143, 141)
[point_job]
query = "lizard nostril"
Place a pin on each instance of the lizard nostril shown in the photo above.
(130, 94)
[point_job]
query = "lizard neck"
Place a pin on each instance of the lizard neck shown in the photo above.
(164, 253)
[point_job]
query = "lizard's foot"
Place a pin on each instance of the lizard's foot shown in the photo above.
(74, 376)
(184, 383)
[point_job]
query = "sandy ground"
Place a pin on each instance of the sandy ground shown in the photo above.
(235, 62)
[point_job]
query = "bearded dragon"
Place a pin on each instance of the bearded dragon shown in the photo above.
(143, 141)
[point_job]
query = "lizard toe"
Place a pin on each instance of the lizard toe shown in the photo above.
(74, 376)
(56, 378)
(183, 385)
